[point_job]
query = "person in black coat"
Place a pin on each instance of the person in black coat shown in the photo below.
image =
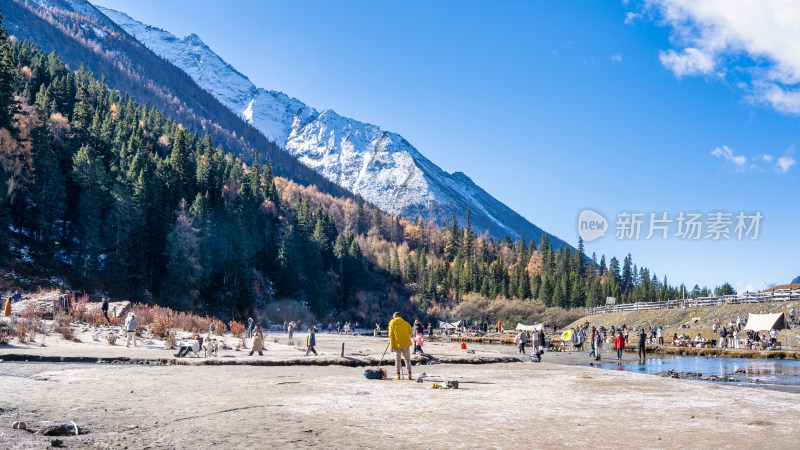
(104, 308)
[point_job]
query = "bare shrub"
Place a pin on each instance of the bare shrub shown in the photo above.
(219, 327)
(31, 320)
(22, 334)
(97, 318)
(171, 341)
(161, 326)
(5, 336)
(61, 325)
(237, 329)
(112, 339)
(163, 320)
(144, 313)
(78, 307)
(514, 311)
(32, 310)
(562, 317)
(473, 308)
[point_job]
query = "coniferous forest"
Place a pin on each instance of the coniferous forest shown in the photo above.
(116, 198)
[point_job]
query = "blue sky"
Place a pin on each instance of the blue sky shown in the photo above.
(553, 107)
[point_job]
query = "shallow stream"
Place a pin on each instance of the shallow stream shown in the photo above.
(749, 372)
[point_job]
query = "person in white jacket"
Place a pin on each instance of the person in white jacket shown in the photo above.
(130, 326)
(598, 346)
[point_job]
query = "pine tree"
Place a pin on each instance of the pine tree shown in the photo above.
(579, 258)
(48, 195)
(603, 269)
(578, 295)
(180, 166)
(184, 270)
(546, 291)
(536, 284)
(239, 282)
(469, 237)
(377, 221)
(5, 217)
(83, 112)
(358, 217)
(287, 279)
(395, 268)
(613, 269)
(452, 246)
(8, 104)
(89, 174)
(524, 285)
(627, 275)
(560, 297)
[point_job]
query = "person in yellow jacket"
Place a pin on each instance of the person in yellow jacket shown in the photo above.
(400, 342)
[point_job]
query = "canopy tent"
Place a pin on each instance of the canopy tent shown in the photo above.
(691, 322)
(766, 322)
(449, 325)
(523, 327)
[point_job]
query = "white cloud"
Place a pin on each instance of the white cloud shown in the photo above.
(616, 57)
(761, 163)
(727, 154)
(760, 38)
(630, 17)
(690, 61)
(785, 163)
(782, 99)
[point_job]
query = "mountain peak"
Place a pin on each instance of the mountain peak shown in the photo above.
(195, 39)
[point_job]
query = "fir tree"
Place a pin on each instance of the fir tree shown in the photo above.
(180, 166)
(89, 174)
(452, 247)
(184, 271)
(8, 104)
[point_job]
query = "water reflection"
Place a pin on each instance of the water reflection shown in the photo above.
(746, 371)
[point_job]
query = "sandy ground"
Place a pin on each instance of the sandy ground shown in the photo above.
(544, 405)
(497, 406)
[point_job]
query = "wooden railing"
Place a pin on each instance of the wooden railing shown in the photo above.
(779, 295)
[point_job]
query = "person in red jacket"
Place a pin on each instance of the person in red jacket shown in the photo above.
(619, 344)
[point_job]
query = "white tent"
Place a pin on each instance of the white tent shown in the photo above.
(766, 322)
(449, 325)
(523, 327)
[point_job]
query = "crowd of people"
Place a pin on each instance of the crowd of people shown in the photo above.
(732, 335)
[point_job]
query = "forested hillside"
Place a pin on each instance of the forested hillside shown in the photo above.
(116, 197)
(97, 43)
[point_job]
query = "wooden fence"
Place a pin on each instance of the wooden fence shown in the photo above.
(779, 295)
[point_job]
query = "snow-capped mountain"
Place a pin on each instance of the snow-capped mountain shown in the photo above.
(381, 166)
